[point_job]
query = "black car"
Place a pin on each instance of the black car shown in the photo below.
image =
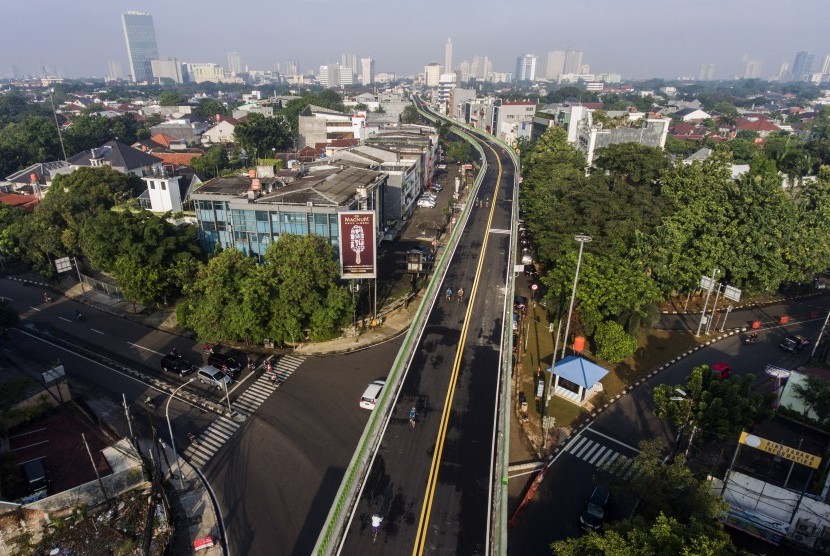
(226, 363)
(177, 364)
(793, 343)
(593, 515)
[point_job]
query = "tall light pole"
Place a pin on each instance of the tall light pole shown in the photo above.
(715, 272)
(55, 114)
(582, 239)
(683, 397)
(170, 428)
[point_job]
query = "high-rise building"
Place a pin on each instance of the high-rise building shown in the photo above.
(573, 61)
(202, 72)
(750, 69)
(234, 62)
(292, 67)
(349, 61)
(140, 36)
(802, 66)
(525, 68)
(167, 69)
(367, 71)
(706, 72)
(448, 56)
(114, 71)
(556, 64)
(464, 72)
(825, 66)
(432, 74)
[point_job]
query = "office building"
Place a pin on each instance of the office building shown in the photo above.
(367, 71)
(481, 68)
(573, 61)
(234, 63)
(825, 66)
(556, 64)
(202, 72)
(167, 70)
(706, 72)
(114, 71)
(140, 36)
(432, 74)
(349, 61)
(750, 69)
(292, 67)
(448, 56)
(802, 66)
(525, 68)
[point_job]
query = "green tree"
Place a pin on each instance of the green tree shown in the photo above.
(141, 282)
(88, 132)
(634, 163)
(718, 408)
(460, 151)
(613, 343)
(261, 135)
(410, 115)
(815, 393)
(212, 162)
(171, 98)
(210, 108)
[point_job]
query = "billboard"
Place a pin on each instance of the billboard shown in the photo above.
(357, 244)
(780, 450)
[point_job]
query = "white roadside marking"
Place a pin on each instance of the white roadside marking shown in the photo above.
(612, 439)
(97, 331)
(35, 308)
(146, 349)
(64, 318)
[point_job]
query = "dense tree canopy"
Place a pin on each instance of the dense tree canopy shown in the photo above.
(261, 135)
(294, 294)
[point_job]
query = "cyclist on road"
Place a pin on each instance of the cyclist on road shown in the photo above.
(461, 295)
(413, 416)
(449, 294)
(376, 522)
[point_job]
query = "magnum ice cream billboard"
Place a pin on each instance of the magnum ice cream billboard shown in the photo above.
(357, 244)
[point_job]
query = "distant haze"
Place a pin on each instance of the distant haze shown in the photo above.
(640, 39)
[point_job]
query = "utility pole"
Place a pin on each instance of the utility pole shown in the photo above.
(820, 334)
(582, 239)
(95, 468)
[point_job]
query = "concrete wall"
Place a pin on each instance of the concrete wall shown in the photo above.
(312, 130)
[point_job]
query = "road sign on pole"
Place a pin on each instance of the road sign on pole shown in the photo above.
(706, 283)
(63, 265)
(732, 293)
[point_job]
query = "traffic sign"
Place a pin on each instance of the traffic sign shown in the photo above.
(732, 293)
(534, 287)
(63, 265)
(706, 283)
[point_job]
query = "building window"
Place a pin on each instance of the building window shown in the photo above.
(163, 185)
(152, 184)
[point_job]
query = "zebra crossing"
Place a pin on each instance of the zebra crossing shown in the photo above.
(206, 444)
(603, 458)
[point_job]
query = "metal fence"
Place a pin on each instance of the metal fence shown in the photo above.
(109, 289)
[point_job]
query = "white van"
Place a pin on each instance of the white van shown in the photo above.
(213, 376)
(370, 396)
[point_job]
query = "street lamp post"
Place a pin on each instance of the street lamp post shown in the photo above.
(170, 429)
(683, 397)
(715, 272)
(582, 239)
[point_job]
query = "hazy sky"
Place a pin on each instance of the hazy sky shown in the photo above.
(637, 38)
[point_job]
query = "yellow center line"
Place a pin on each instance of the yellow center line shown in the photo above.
(426, 508)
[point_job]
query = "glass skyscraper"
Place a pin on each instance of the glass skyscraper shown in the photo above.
(140, 35)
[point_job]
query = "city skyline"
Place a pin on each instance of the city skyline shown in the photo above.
(73, 31)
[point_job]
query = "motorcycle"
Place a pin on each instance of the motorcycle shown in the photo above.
(148, 401)
(751, 338)
(47, 298)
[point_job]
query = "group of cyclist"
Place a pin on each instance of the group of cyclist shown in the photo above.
(459, 295)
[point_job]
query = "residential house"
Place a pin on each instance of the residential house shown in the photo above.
(34, 179)
(759, 124)
(187, 129)
(118, 156)
(691, 115)
(221, 132)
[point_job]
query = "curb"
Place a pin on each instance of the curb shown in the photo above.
(750, 305)
(581, 426)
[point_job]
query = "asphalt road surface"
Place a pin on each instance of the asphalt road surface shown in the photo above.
(431, 483)
(614, 434)
(277, 477)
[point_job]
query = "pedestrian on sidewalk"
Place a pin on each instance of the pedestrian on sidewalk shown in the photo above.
(449, 294)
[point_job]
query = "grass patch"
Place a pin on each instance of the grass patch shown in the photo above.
(536, 347)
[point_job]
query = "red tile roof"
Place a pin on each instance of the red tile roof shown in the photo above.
(163, 139)
(26, 202)
(177, 158)
(756, 125)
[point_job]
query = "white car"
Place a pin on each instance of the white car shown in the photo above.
(437, 187)
(370, 396)
(429, 195)
(426, 203)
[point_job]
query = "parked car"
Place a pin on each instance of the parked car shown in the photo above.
(593, 515)
(370, 396)
(226, 363)
(426, 203)
(429, 195)
(527, 258)
(213, 376)
(530, 271)
(516, 320)
(177, 364)
(437, 187)
(793, 343)
(520, 303)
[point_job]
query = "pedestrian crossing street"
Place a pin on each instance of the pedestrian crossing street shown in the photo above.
(202, 449)
(603, 458)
